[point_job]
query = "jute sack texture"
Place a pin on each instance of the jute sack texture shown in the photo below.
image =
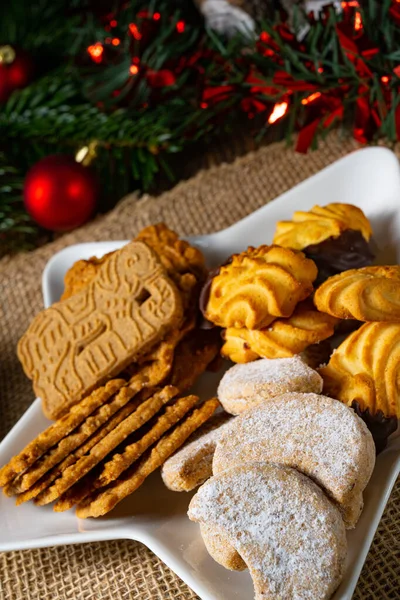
(212, 200)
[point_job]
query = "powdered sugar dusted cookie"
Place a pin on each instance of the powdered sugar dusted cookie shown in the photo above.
(191, 465)
(289, 534)
(314, 434)
(244, 386)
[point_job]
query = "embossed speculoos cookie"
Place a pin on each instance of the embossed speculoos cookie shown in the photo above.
(284, 528)
(368, 294)
(191, 465)
(244, 386)
(314, 434)
(282, 338)
(75, 345)
(259, 285)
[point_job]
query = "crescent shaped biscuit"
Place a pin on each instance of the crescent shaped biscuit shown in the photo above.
(285, 529)
(316, 435)
(283, 338)
(244, 386)
(320, 223)
(259, 285)
(367, 294)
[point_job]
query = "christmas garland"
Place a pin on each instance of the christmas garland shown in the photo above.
(129, 87)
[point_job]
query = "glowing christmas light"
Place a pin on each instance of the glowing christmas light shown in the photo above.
(115, 41)
(311, 98)
(133, 28)
(180, 26)
(385, 79)
(156, 16)
(113, 23)
(133, 69)
(96, 52)
(279, 111)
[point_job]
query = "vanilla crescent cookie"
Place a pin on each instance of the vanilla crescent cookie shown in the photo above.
(244, 386)
(191, 465)
(320, 223)
(314, 434)
(283, 338)
(259, 285)
(367, 294)
(284, 528)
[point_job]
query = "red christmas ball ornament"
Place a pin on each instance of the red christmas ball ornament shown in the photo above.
(16, 70)
(60, 193)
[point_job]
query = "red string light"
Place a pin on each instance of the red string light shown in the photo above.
(358, 24)
(133, 28)
(113, 23)
(279, 111)
(385, 79)
(115, 41)
(156, 16)
(180, 26)
(133, 69)
(264, 36)
(96, 52)
(203, 104)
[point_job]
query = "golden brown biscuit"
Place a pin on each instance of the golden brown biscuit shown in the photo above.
(192, 356)
(259, 285)
(121, 460)
(176, 255)
(285, 529)
(314, 434)
(56, 432)
(184, 263)
(143, 413)
(367, 294)
(76, 345)
(81, 274)
(365, 369)
(72, 441)
(283, 338)
(47, 479)
(320, 223)
(191, 465)
(105, 499)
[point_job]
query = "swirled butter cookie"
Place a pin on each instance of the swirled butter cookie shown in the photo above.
(244, 386)
(368, 294)
(283, 338)
(364, 373)
(314, 434)
(337, 237)
(259, 285)
(287, 532)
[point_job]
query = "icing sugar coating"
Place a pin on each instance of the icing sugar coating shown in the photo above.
(246, 385)
(191, 465)
(314, 434)
(289, 534)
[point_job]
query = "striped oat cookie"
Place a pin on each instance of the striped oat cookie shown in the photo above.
(104, 500)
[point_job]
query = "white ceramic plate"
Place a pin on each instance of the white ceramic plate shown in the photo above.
(369, 178)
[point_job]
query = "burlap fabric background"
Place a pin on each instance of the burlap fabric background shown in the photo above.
(212, 200)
